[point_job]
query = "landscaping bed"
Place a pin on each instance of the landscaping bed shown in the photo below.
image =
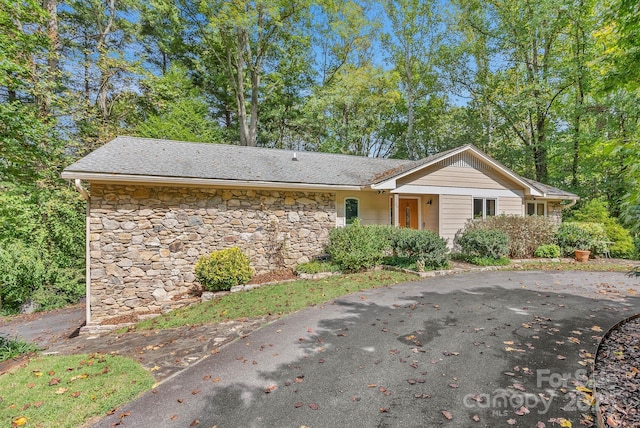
(617, 375)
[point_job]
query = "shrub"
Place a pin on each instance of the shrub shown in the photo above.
(595, 211)
(41, 247)
(221, 270)
(548, 251)
(525, 233)
(573, 236)
(483, 243)
(357, 247)
(423, 247)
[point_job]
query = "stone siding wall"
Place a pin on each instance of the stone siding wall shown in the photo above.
(145, 241)
(554, 211)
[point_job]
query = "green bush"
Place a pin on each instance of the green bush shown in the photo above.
(357, 247)
(41, 247)
(483, 243)
(423, 247)
(221, 270)
(525, 233)
(595, 211)
(573, 236)
(548, 251)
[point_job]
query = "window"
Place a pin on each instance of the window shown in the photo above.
(350, 210)
(483, 208)
(536, 208)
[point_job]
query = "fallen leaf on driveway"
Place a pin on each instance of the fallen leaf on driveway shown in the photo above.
(561, 357)
(313, 406)
(511, 421)
(476, 418)
(596, 328)
(447, 415)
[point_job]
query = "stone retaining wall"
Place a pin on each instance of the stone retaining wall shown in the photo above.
(144, 241)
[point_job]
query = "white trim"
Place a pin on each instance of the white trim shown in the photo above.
(484, 206)
(526, 206)
(87, 262)
(344, 206)
(159, 180)
(470, 191)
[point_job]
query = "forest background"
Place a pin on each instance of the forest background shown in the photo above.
(550, 88)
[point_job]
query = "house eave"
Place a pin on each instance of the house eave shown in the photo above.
(189, 181)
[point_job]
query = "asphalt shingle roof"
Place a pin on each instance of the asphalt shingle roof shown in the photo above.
(146, 157)
(163, 158)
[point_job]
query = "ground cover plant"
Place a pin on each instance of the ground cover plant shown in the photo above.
(14, 347)
(65, 391)
(276, 299)
(317, 266)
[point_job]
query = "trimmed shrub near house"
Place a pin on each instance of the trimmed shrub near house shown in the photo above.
(525, 234)
(483, 243)
(548, 251)
(423, 247)
(357, 247)
(573, 236)
(221, 270)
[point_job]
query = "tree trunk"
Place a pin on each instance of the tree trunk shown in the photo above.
(51, 6)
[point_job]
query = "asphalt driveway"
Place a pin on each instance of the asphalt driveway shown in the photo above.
(480, 349)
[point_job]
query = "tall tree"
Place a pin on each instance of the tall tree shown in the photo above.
(525, 42)
(412, 41)
(245, 40)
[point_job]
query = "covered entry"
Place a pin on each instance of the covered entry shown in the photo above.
(408, 213)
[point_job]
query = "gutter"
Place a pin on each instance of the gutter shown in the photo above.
(159, 180)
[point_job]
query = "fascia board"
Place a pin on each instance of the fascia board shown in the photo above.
(187, 181)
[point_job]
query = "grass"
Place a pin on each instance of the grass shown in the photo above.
(317, 267)
(66, 391)
(277, 299)
(11, 348)
(590, 266)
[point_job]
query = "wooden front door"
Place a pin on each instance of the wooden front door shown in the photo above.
(408, 213)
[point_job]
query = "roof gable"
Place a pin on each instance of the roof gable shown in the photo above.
(465, 155)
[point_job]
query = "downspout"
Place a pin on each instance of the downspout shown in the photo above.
(87, 252)
(570, 204)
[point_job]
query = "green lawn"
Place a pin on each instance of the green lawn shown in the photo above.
(277, 299)
(65, 391)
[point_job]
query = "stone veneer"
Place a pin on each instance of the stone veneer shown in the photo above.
(144, 241)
